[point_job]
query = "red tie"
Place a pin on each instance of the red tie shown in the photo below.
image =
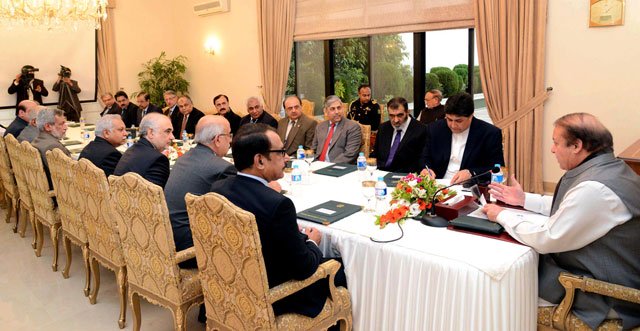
(325, 149)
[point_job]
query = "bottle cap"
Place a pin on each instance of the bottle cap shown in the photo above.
(380, 178)
(361, 154)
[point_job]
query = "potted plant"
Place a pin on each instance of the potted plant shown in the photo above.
(161, 74)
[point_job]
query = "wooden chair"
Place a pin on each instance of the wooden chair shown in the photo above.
(45, 210)
(140, 209)
(365, 145)
(561, 318)
(234, 277)
(62, 169)
(308, 108)
(9, 185)
(25, 202)
(102, 230)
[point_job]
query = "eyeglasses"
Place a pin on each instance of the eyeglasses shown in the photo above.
(282, 152)
(230, 135)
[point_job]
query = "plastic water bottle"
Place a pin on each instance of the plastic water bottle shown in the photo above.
(185, 136)
(496, 178)
(129, 141)
(296, 175)
(361, 163)
(381, 193)
(300, 152)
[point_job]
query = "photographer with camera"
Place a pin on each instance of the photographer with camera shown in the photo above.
(69, 90)
(27, 86)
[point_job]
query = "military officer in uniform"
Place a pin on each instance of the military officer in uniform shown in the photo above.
(364, 110)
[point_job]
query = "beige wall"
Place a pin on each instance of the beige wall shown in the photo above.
(592, 70)
(145, 28)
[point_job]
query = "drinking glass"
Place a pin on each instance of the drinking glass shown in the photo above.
(287, 178)
(369, 191)
(309, 155)
(372, 165)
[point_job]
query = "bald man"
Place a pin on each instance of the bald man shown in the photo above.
(22, 118)
(194, 172)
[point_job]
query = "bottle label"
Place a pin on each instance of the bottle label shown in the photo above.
(497, 178)
(381, 192)
(296, 178)
(362, 164)
(301, 155)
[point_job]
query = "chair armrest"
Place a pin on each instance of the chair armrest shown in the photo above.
(328, 268)
(572, 282)
(185, 254)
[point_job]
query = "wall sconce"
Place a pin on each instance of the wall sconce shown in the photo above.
(212, 46)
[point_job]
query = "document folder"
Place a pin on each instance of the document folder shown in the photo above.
(336, 170)
(329, 212)
(476, 224)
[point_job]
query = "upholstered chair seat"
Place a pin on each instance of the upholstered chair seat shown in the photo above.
(234, 277)
(560, 317)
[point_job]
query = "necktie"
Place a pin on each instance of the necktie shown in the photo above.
(325, 149)
(184, 123)
(253, 120)
(289, 127)
(394, 148)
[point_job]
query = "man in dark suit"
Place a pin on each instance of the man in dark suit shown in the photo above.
(145, 107)
(102, 152)
(462, 146)
(259, 156)
(108, 101)
(22, 118)
(145, 157)
(127, 110)
(52, 126)
(337, 139)
(433, 109)
(221, 102)
(195, 172)
(187, 117)
(27, 86)
(171, 102)
(400, 141)
(296, 129)
(256, 114)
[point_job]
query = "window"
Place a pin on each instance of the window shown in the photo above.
(405, 64)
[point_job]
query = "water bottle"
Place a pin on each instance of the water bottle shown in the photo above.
(83, 132)
(300, 152)
(381, 193)
(296, 175)
(497, 177)
(129, 141)
(185, 137)
(361, 163)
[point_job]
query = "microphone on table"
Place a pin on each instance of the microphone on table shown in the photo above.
(431, 219)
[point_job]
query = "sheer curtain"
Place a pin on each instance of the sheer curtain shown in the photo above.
(511, 49)
(275, 29)
(107, 75)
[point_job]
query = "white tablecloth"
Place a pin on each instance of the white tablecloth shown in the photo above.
(431, 279)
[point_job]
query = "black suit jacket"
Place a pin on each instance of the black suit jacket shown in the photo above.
(143, 159)
(409, 156)
(16, 127)
(21, 89)
(287, 253)
(192, 120)
(151, 109)
(102, 154)
(129, 114)
(482, 151)
(265, 118)
(234, 120)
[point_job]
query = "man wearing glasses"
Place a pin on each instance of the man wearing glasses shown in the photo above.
(337, 139)
(145, 157)
(259, 156)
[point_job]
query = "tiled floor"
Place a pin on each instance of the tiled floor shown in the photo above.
(32, 297)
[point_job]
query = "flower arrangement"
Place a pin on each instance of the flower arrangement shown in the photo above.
(411, 198)
(173, 152)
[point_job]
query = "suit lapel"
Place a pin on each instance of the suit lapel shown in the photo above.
(471, 142)
(292, 134)
(336, 133)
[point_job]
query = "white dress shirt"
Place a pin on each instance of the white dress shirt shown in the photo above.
(588, 211)
(458, 143)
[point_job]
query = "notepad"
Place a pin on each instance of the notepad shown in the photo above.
(70, 142)
(329, 212)
(336, 170)
(392, 178)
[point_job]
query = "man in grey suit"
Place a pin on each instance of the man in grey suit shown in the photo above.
(337, 139)
(296, 129)
(30, 132)
(194, 172)
(52, 125)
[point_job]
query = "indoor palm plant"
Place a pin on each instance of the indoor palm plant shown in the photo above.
(161, 74)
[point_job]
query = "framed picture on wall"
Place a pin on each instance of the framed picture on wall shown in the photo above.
(606, 12)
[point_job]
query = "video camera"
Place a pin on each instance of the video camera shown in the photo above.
(28, 73)
(64, 72)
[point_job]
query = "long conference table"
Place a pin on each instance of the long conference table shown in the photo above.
(431, 279)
